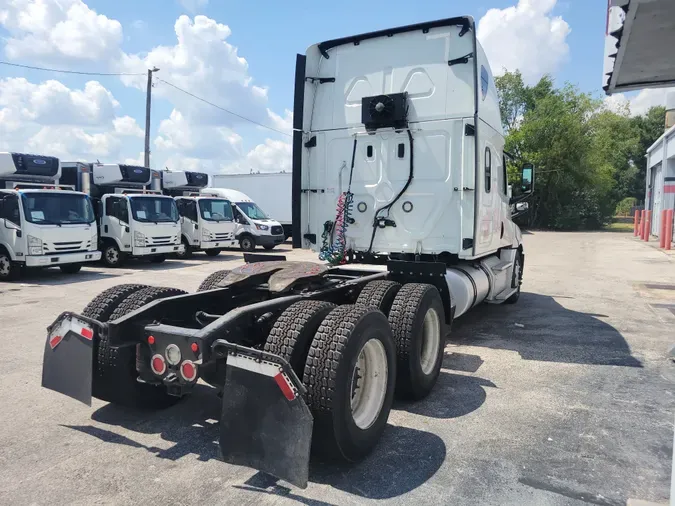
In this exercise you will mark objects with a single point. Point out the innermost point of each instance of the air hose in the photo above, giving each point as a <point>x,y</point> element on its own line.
<point>334,245</point>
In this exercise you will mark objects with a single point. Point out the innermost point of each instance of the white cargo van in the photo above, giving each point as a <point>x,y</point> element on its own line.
<point>252,226</point>
<point>42,224</point>
<point>272,189</point>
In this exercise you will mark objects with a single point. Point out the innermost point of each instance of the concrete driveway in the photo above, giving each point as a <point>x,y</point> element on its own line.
<point>564,398</point>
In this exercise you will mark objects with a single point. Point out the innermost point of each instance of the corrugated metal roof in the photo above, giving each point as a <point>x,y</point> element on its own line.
<point>640,45</point>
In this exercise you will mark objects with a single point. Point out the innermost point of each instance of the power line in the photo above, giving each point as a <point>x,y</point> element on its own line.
<point>62,71</point>
<point>223,109</point>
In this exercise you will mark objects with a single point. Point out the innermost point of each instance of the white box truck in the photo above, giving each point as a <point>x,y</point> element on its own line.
<point>271,191</point>
<point>252,226</point>
<point>207,223</point>
<point>399,133</point>
<point>42,223</point>
<point>135,219</point>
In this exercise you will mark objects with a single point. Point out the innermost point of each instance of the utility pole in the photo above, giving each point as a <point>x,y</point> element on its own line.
<point>148,100</point>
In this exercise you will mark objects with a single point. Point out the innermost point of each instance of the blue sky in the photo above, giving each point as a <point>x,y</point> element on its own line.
<point>563,37</point>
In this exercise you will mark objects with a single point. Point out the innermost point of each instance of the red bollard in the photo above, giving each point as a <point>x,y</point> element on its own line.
<point>669,228</point>
<point>648,225</point>
<point>662,228</point>
<point>642,224</point>
<point>636,223</point>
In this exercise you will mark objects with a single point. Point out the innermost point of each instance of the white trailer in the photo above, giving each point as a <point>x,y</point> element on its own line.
<point>207,223</point>
<point>271,191</point>
<point>42,223</point>
<point>135,219</point>
<point>399,185</point>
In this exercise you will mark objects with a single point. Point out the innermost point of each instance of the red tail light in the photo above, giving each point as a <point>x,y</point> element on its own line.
<point>194,347</point>
<point>158,365</point>
<point>188,370</point>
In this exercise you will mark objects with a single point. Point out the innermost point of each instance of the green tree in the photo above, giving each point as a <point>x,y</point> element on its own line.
<point>649,128</point>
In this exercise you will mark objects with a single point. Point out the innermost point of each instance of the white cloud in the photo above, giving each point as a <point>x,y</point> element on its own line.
<point>205,64</point>
<point>640,103</point>
<point>126,126</point>
<point>58,31</point>
<point>50,118</point>
<point>69,34</point>
<point>284,124</point>
<point>193,5</point>
<point>272,156</point>
<point>525,37</point>
<point>52,103</point>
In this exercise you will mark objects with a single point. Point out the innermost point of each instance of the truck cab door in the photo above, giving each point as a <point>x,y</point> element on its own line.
<point>191,222</point>
<point>115,221</point>
<point>10,223</point>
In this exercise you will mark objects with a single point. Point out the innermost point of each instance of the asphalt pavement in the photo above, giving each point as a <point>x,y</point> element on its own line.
<point>563,398</point>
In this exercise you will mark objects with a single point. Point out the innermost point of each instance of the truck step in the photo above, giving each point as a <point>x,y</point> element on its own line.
<point>502,266</point>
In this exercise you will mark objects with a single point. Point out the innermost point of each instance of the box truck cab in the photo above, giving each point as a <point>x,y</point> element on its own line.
<point>135,219</point>
<point>252,226</point>
<point>207,223</point>
<point>42,224</point>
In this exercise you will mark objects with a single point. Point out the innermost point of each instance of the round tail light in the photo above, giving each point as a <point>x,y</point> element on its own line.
<point>158,365</point>
<point>188,370</point>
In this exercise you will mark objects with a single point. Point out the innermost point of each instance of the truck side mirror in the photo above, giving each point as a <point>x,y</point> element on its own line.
<point>527,178</point>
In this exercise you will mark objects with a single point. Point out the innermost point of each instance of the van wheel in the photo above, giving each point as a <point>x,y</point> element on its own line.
<point>246,243</point>
<point>112,256</point>
<point>417,321</point>
<point>9,271</point>
<point>188,250</point>
<point>212,252</point>
<point>269,247</point>
<point>157,259</point>
<point>350,376</point>
<point>70,268</point>
<point>294,330</point>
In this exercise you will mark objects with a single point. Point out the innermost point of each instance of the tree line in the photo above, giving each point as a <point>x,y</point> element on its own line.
<point>590,160</point>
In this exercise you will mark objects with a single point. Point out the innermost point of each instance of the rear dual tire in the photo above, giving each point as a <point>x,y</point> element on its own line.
<point>115,375</point>
<point>346,358</point>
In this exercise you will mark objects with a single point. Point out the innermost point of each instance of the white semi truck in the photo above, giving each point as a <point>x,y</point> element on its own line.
<point>135,219</point>
<point>272,191</point>
<point>207,223</point>
<point>399,185</point>
<point>252,226</point>
<point>42,223</point>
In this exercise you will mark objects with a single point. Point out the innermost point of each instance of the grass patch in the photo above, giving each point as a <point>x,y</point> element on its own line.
<point>619,227</point>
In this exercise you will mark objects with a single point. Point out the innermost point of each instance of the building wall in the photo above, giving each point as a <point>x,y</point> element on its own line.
<point>660,184</point>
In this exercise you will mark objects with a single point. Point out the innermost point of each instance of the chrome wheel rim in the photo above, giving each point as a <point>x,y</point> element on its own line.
<point>5,266</point>
<point>112,255</point>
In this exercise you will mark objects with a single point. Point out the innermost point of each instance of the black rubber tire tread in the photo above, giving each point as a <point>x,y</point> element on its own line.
<point>406,328</point>
<point>212,252</point>
<point>379,294</point>
<point>320,377</point>
<point>115,375</point>
<point>103,305</point>
<point>157,259</point>
<point>270,247</point>
<point>187,253</point>
<point>241,243</point>
<point>514,298</point>
<point>211,281</point>
<point>292,333</point>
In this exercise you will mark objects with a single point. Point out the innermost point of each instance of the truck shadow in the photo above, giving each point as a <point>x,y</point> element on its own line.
<point>539,328</point>
<point>454,395</point>
<point>53,276</point>
<point>193,427</point>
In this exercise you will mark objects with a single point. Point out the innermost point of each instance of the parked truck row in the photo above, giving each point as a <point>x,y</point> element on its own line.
<point>65,215</point>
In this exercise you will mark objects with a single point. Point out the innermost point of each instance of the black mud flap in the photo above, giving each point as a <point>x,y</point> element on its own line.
<point>68,357</point>
<point>265,423</point>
